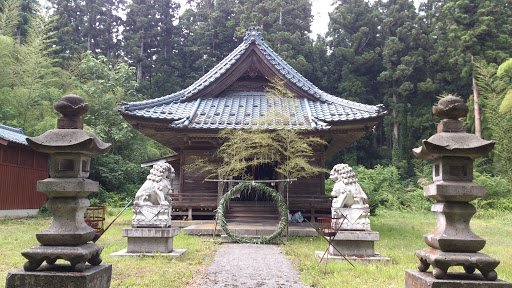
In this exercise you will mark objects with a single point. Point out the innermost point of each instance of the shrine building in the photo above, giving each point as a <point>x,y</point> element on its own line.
<point>233,96</point>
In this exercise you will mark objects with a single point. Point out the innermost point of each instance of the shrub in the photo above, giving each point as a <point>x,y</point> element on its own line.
<point>499,192</point>
<point>385,189</point>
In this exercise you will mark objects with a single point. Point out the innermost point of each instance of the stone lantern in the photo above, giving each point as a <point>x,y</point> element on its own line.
<point>68,236</point>
<point>452,242</point>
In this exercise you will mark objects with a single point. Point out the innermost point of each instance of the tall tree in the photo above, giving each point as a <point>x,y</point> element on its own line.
<point>400,58</point>
<point>285,25</point>
<point>475,30</point>
<point>208,35</point>
<point>28,10</point>
<point>86,25</point>
<point>151,40</point>
<point>66,26</point>
<point>141,29</point>
<point>167,65</point>
<point>9,16</point>
<point>355,59</point>
<point>493,87</point>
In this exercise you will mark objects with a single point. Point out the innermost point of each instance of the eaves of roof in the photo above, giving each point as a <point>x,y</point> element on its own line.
<point>12,134</point>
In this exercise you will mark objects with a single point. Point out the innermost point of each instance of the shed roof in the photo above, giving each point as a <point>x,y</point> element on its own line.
<point>12,134</point>
<point>192,108</point>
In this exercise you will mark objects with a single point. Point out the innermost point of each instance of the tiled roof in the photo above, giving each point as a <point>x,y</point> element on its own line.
<point>251,110</point>
<point>13,134</point>
<point>177,106</point>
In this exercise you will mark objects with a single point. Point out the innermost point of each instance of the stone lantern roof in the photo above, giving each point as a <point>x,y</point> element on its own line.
<point>69,137</point>
<point>451,140</point>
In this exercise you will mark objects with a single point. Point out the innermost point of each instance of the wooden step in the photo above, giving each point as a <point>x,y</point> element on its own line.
<point>252,212</point>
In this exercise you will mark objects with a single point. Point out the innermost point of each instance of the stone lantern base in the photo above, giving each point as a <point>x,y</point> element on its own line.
<point>77,256</point>
<point>441,261</point>
<point>417,279</point>
<point>61,276</point>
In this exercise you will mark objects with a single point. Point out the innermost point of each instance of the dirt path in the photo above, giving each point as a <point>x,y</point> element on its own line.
<point>249,265</point>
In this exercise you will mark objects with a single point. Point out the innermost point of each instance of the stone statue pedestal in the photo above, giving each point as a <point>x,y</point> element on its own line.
<point>155,216</point>
<point>355,218</point>
<point>357,246</point>
<point>150,241</point>
<point>354,243</point>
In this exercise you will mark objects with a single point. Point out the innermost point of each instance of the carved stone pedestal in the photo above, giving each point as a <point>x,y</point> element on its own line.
<point>355,218</point>
<point>441,261</point>
<point>61,276</point>
<point>77,256</point>
<point>157,216</point>
<point>150,240</point>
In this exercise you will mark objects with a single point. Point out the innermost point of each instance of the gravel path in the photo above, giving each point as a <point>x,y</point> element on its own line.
<point>249,265</point>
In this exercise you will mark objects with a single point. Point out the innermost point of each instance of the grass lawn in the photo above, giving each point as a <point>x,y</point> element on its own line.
<point>19,235</point>
<point>400,234</point>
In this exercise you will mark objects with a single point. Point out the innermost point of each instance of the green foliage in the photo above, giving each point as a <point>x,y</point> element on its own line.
<point>118,177</point>
<point>9,17</point>
<point>493,89</point>
<point>385,189</point>
<point>506,69</point>
<point>289,151</point>
<point>498,192</point>
<point>104,83</point>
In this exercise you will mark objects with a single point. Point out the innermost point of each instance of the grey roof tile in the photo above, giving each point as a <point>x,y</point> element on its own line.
<point>175,107</point>
<point>13,134</point>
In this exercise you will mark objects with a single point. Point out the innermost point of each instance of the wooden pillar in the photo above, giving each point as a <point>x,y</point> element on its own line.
<point>220,189</point>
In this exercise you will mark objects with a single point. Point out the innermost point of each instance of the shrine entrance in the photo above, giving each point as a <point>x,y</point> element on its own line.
<point>252,207</point>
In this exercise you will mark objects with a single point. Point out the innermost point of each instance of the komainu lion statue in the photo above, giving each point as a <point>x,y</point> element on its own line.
<point>347,191</point>
<point>157,188</point>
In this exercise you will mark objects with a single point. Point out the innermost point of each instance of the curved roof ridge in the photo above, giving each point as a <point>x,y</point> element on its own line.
<point>306,84</point>
<point>198,85</point>
<point>252,35</point>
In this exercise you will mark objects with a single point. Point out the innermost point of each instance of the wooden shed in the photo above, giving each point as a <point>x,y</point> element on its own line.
<point>20,169</point>
<point>233,96</point>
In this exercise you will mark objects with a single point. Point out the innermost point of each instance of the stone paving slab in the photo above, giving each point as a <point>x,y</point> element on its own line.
<point>249,265</point>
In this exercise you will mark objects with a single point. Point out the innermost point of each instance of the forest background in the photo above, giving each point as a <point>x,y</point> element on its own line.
<point>389,52</point>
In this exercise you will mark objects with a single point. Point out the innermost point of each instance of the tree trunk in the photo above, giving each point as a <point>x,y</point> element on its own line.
<point>139,65</point>
<point>396,124</point>
<point>476,97</point>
